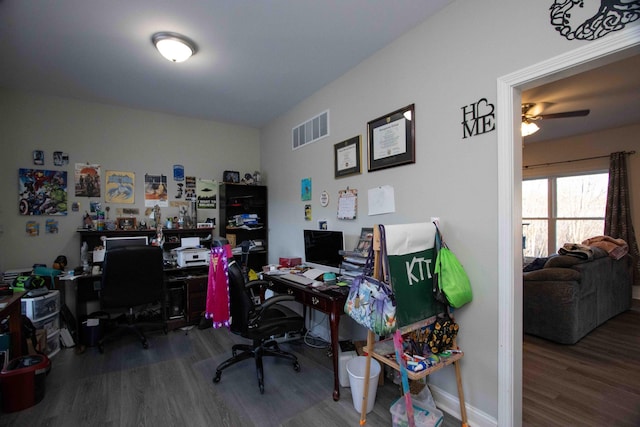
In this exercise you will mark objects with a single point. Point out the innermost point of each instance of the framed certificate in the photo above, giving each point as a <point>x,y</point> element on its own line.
<point>347,157</point>
<point>392,139</point>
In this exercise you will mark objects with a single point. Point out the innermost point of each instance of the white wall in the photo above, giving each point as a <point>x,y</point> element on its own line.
<point>117,139</point>
<point>450,61</point>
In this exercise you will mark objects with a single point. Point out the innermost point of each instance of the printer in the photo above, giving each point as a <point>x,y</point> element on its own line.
<point>192,257</point>
<point>190,254</point>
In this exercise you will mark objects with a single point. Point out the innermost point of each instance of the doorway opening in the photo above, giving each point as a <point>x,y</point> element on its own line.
<point>595,54</point>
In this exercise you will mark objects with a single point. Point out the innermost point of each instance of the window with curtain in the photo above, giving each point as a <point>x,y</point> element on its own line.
<point>562,209</point>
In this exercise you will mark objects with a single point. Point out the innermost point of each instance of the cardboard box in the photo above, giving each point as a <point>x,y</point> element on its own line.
<point>289,261</point>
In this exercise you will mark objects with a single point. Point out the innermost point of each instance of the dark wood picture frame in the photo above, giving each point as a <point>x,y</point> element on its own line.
<point>347,157</point>
<point>127,223</point>
<point>232,177</point>
<point>392,140</point>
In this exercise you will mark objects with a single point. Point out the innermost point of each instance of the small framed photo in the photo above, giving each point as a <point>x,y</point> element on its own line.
<point>126,223</point>
<point>347,157</point>
<point>232,177</point>
<point>392,139</point>
<point>38,157</point>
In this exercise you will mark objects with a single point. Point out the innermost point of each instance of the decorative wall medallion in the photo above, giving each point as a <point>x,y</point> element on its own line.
<point>591,19</point>
<point>324,199</point>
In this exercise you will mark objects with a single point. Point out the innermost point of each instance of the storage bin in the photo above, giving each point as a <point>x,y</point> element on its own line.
<point>423,416</point>
<point>22,382</point>
<point>49,324</point>
<point>43,306</point>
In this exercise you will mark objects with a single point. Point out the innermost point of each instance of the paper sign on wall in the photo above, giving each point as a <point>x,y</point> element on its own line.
<point>382,200</point>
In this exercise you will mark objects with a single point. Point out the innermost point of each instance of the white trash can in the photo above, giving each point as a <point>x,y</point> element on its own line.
<point>356,369</point>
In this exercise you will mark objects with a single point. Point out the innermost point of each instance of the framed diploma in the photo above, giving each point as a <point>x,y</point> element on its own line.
<point>347,157</point>
<point>392,139</point>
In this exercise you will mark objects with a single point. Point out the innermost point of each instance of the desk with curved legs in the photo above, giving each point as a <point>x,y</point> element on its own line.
<point>330,302</point>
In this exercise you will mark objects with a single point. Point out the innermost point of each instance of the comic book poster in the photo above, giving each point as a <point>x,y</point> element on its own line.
<point>190,188</point>
<point>42,192</point>
<point>87,180</point>
<point>119,187</point>
<point>155,191</point>
<point>51,226</point>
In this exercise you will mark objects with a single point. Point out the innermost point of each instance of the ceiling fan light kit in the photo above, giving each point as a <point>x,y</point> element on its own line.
<point>173,46</point>
<point>529,128</point>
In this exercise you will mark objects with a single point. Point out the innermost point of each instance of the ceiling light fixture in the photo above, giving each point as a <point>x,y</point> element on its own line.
<point>528,128</point>
<point>175,47</point>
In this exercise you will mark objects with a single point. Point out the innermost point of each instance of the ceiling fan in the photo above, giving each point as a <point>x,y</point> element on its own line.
<point>532,112</point>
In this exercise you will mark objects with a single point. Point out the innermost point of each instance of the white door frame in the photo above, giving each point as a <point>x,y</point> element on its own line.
<point>594,54</point>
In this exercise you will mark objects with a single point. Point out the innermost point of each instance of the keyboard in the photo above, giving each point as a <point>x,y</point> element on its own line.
<point>297,279</point>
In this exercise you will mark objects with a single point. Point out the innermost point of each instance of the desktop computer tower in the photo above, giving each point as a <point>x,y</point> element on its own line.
<point>175,302</point>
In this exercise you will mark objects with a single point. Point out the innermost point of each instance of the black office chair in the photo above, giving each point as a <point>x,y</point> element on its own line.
<point>258,322</point>
<point>132,276</point>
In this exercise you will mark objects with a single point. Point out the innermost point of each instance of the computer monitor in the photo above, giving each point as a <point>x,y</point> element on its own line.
<point>120,242</point>
<point>322,249</point>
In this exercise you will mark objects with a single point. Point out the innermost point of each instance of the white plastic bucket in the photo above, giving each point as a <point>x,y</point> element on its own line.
<point>356,370</point>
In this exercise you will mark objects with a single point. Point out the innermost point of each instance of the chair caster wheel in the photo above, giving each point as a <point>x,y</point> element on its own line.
<point>145,345</point>
<point>101,348</point>
<point>261,388</point>
<point>296,366</point>
<point>216,379</point>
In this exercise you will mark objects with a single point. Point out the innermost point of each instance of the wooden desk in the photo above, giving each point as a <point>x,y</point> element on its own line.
<point>189,282</point>
<point>13,311</point>
<point>330,302</point>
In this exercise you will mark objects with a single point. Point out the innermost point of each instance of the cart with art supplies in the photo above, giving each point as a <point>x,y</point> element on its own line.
<point>425,339</point>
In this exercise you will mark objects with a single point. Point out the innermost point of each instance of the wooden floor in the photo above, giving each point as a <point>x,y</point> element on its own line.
<point>170,384</point>
<point>595,382</point>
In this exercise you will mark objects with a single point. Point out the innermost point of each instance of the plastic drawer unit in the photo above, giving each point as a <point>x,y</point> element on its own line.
<point>53,343</point>
<point>43,306</point>
<point>49,324</point>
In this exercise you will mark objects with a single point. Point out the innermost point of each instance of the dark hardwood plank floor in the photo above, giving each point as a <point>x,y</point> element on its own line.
<point>595,382</point>
<point>170,384</point>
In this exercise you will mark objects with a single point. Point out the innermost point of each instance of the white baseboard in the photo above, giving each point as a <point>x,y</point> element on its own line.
<point>450,404</point>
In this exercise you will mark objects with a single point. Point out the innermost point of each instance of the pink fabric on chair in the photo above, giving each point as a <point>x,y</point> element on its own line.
<point>217,308</point>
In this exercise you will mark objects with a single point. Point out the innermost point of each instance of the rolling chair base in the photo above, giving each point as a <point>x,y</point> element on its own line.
<point>134,328</point>
<point>257,351</point>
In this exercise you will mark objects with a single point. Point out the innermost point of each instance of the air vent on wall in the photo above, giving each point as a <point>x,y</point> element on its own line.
<point>310,131</point>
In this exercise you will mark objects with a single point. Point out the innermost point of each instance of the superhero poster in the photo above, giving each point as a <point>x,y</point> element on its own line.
<point>42,192</point>
<point>87,180</point>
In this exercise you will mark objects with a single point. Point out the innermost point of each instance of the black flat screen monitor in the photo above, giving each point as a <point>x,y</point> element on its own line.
<point>120,242</point>
<point>322,249</point>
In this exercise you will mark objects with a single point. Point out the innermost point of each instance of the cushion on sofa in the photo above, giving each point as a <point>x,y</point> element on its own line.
<point>561,261</point>
<point>553,273</point>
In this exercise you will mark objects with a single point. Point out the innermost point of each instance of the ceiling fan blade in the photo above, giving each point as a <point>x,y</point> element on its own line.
<point>577,113</point>
<point>535,109</point>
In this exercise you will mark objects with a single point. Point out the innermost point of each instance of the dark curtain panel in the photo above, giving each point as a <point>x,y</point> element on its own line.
<point>617,221</point>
